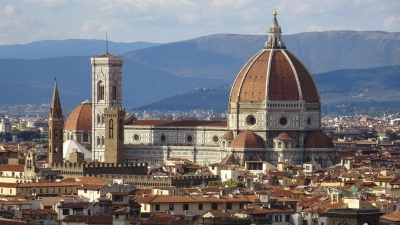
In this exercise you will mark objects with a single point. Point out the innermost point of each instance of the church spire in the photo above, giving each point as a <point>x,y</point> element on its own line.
<point>274,35</point>
<point>56,127</point>
<point>55,108</point>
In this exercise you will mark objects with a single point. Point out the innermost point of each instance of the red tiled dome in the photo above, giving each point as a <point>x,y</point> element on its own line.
<point>318,139</point>
<point>275,75</point>
<point>228,135</point>
<point>247,139</point>
<point>80,118</point>
<point>284,135</point>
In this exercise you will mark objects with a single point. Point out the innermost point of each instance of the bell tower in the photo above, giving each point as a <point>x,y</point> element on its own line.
<point>56,126</point>
<point>114,135</point>
<point>106,93</point>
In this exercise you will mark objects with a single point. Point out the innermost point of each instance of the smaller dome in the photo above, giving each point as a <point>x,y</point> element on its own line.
<point>80,118</point>
<point>318,139</point>
<point>284,136</point>
<point>247,139</point>
<point>228,135</point>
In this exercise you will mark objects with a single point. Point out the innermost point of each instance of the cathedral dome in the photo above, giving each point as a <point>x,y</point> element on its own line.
<point>318,139</point>
<point>274,74</point>
<point>80,118</point>
<point>247,139</point>
<point>284,136</point>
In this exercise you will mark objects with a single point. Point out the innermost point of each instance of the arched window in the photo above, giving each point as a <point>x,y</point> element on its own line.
<point>98,118</point>
<point>50,149</point>
<point>114,92</point>
<point>102,140</point>
<point>120,129</point>
<point>98,140</point>
<point>85,137</point>
<point>279,144</point>
<point>111,129</point>
<point>55,135</point>
<point>102,118</point>
<point>100,90</point>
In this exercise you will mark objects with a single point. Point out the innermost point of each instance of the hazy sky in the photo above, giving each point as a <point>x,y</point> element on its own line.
<point>24,21</point>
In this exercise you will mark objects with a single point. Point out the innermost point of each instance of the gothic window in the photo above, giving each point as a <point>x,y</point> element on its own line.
<point>102,118</point>
<point>98,118</point>
<point>55,150</point>
<point>55,135</point>
<point>100,90</point>
<point>102,140</point>
<point>85,137</point>
<point>68,136</point>
<point>50,149</point>
<point>114,92</point>
<point>98,140</point>
<point>120,129</point>
<point>279,144</point>
<point>111,129</point>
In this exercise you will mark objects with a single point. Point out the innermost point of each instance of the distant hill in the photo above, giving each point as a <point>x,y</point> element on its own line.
<point>72,47</point>
<point>223,55</point>
<point>161,71</point>
<point>354,89</point>
<point>32,81</point>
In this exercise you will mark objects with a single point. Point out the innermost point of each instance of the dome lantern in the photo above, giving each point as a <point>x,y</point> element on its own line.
<point>274,35</point>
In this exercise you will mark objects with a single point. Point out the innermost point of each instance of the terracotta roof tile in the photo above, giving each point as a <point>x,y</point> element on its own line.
<point>247,139</point>
<point>80,118</point>
<point>318,139</point>
<point>94,219</point>
<point>11,167</point>
<point>284,135</point>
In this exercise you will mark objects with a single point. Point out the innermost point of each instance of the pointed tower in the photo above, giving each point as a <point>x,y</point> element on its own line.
<point>106,93</point>
<point>56,126</point>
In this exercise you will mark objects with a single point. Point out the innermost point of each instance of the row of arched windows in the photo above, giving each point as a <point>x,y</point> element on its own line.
<point>100,119</point>
<point>100,141</point>
<point>101,91</point>
<point>85,137</point>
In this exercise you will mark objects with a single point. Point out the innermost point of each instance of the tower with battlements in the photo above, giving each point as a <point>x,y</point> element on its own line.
<point>114,135</point>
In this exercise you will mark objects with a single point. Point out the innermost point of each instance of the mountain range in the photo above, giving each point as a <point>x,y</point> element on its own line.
<point>152,71</point>
<point>341,90</point>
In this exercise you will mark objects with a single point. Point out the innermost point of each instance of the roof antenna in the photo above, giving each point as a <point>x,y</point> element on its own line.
<point>106,44</point>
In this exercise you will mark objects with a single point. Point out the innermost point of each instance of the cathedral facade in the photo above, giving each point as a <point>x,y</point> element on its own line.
<point>274,114</point>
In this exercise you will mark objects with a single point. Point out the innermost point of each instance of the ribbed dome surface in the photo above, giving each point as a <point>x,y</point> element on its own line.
<point>247,139</point>
<point>318,139</point>
<point>80,118</point>
<point>275,75</point>
<point>284,136</point>
<point>228,135</point>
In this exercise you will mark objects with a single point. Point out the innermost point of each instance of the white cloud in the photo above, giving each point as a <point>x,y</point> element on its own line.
<point>255,29</point>
<point>392,23</point>
<point>15,26</point>
<point>49,4</point>
<point>187,18</point>
<point>250,13</point>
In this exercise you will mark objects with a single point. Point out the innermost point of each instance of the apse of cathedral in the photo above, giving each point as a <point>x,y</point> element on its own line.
<point>274,115</point>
